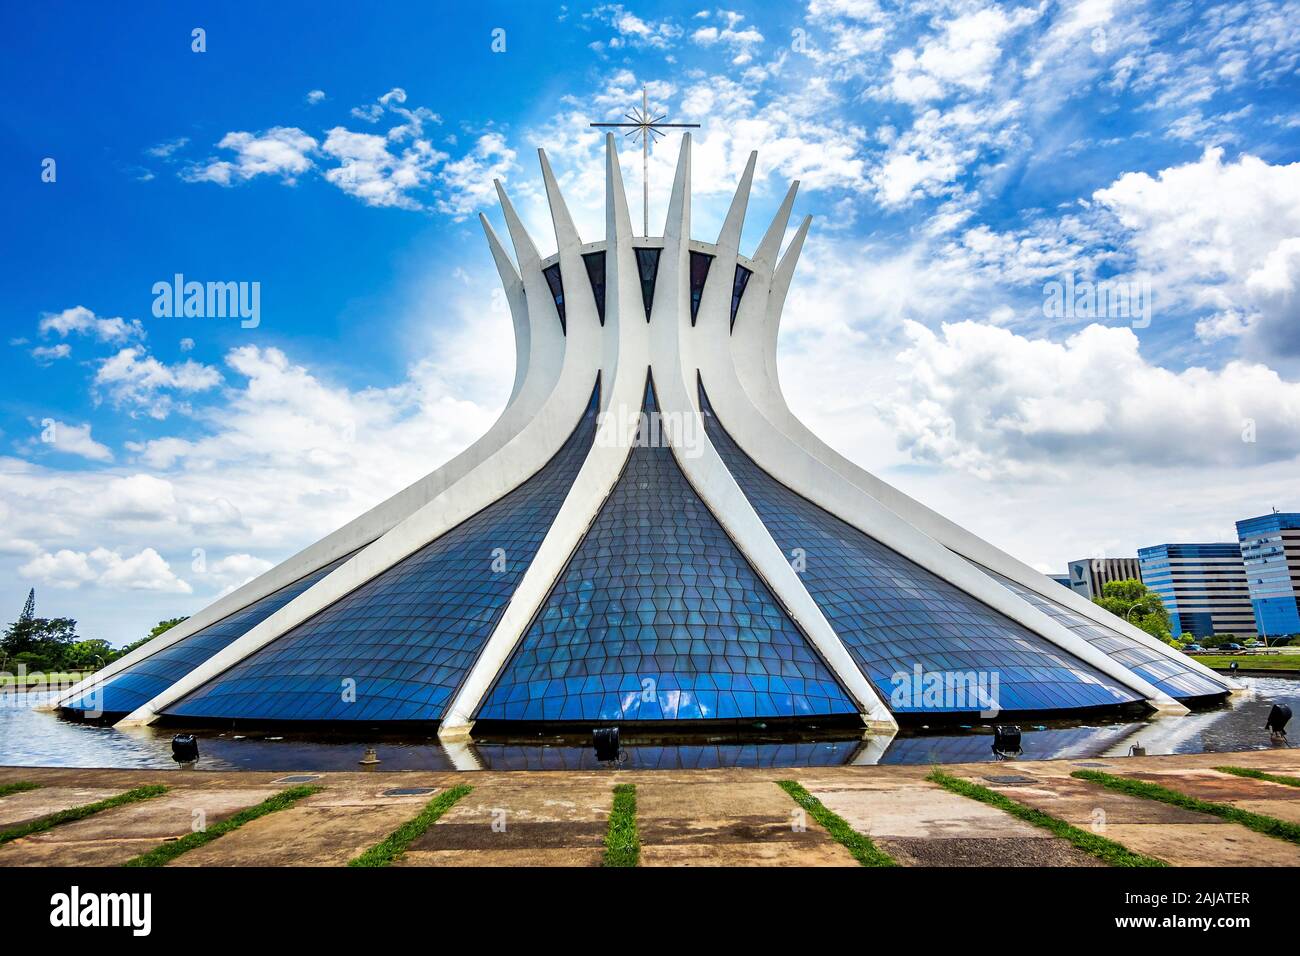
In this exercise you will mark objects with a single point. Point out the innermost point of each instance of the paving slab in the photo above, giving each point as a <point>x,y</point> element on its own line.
<point>112,837</point>
<point>33,804</point>
<point>551,822</point>
<point>326,829</point>
<point>1258,796</point>
<point>922,811</point>
<point>732,824</point>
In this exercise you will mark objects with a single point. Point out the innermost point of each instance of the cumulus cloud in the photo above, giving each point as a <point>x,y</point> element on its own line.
<point>633,31</point>
<point>988,401</point>
<point>75,440</point>
<point>45,354</point>
<point>961,56</point>
<point>282,151</point>
<point>369,171</point>
<point>314,96</point>
<point>80,320</point>
<point>134,380</point>
<point>145,570</point>
<point>466,183</point>
<point>741,40</point>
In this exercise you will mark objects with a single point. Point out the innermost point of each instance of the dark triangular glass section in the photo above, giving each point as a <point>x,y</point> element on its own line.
<point>700,262</point>
<point>647,264</point>
<point>894,616</point>
<point>595,263</point>
<point>398,647</point>
<point>556,283</point>
<point>134,686</point>
<point>658,616</point>
<point>738,289</point>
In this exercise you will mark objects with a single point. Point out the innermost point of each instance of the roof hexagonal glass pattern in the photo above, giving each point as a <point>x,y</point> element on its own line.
<point>894,616</point>
<point>1171,675</point>
<point>658,616</point>
<point>140,683</point>
<point>408,636</point>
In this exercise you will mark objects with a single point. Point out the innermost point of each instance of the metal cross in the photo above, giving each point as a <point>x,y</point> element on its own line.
<point>646,127</point>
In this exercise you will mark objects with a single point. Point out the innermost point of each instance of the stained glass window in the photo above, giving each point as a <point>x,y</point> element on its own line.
<point>595,263</point>
<point>647,264</point>
<point>553,279</point>
<point>700,262</point>
<point>738,289</point>
<point>658,616</point>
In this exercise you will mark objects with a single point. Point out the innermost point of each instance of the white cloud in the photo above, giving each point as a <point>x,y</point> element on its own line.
<point>632,30</point>
<point>67,569</point>
<point>135,380</point>
<point>76,440</point>
<point>467,182</point>
<point>741,40</point>
<point>82,321</point>
<point>280,151</point>
<point>165,150</point>
<point>315,96</point>
<point>987,401</point>
<point>961,56</point>
<point>373,174</point>
<point>47,354</point>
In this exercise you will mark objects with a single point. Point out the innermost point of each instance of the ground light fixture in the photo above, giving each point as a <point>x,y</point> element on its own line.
<point>605,740</point>
<point>1278,718</point>
<point>1006,741</point>
<point>185,749</point>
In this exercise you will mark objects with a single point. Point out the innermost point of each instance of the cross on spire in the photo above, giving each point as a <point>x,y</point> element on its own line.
<point>646,127</point>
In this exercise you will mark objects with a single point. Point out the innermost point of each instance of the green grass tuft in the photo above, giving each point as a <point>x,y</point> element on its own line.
<point>1108,851</point>
<point>164,853</point>
<point>1259,822</point>
<point>80,813</point>
<point>622,843</point>
<point>1261,775</point>
<point>863,850</point>
<point>17,787</point>
<point>396,843</point>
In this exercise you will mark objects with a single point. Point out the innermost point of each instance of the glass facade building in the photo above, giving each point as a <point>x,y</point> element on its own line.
<point>1270,551</point>
<point>1202,586</point>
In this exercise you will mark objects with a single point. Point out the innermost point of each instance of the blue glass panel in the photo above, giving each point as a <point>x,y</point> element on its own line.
<point>407,637</point>
<point>1168,672</point>
<point>143,681</point>
<point>659,617</point>
<point>556,283</point>
<point>894,616</point>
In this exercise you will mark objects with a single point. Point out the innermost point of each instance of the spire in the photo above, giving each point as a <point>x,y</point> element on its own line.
<point>566,233</point>
<point>765,257</point>
<point>729,237</point>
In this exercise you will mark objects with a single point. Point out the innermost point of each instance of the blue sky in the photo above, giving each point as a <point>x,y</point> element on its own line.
<point>956,157</point>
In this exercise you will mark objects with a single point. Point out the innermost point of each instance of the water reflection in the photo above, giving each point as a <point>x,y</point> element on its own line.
<point>36,738</point>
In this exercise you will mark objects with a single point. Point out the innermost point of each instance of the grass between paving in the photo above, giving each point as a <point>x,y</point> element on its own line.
<point>387,851</point>
<point>164,853</point>
<point>1108,851</point>
<point>622,842</point>
<point>17,787</point>
<point>1260,775</point>
<point>1259,822</point>
<point>863,850</point>
<point>80,813</point>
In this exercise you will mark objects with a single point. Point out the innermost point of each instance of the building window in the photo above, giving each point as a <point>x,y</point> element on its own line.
<point>738,289</point>
<point>595,263</point>
<point>647,264</point>
<point>553,280</point>
<point>700,262</point>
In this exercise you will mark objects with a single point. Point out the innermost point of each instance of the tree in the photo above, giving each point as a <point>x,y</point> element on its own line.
<point>29,608</point>
<point>90,654</point>
<point>161,627</point>
<point>1138,604</point>
<point>40,639</point>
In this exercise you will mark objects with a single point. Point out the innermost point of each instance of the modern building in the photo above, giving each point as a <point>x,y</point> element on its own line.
<point>1270,549</point>
<point>1062,579</point>
<point>647,535</point>
<point>1089,575</point>
<point>1203,587</point>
